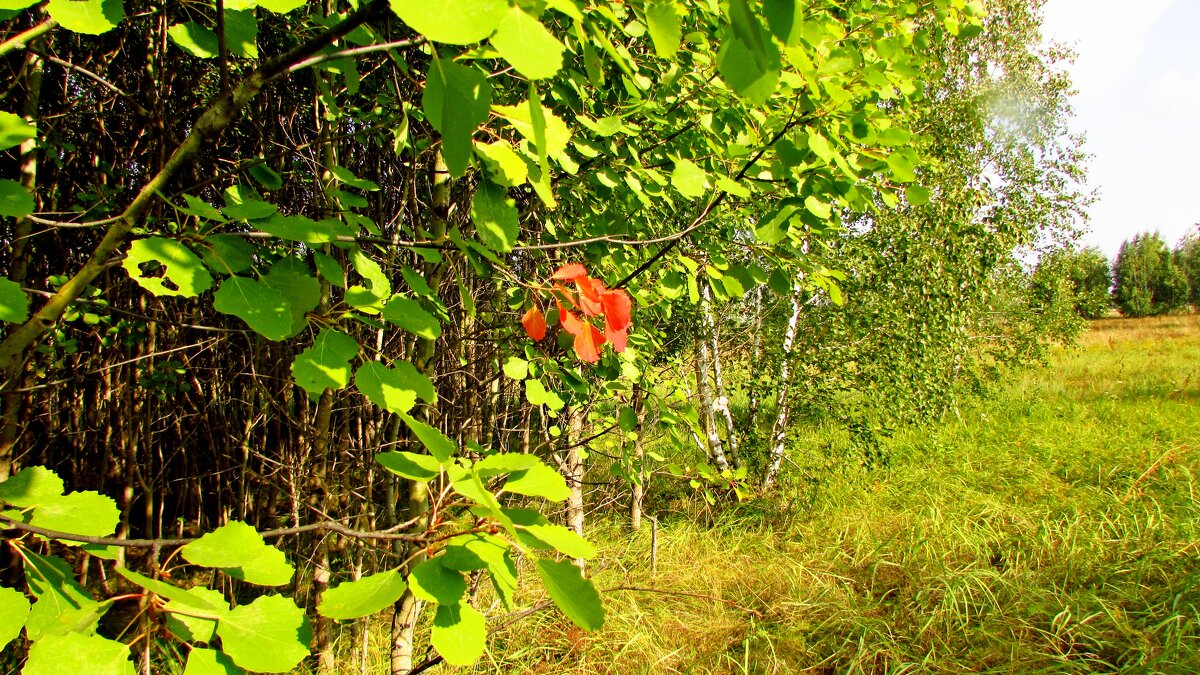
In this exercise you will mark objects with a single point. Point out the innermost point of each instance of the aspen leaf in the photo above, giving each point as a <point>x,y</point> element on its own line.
<point>364,597</point>
<point>14,130</point>
<point>574,595</point>
<point>587,343</point>
<point>15,201</point>
<point>459,633</point>
<point>535,324</point>
<point>269,635</point>
<point>570,272</point>
<point>453,22</point>
<point>183,272</point>
<point>617,308</point>
<point>78,653</point>
<point>525,43</point>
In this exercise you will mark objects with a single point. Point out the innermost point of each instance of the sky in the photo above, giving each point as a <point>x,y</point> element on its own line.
<point>1137,76</point>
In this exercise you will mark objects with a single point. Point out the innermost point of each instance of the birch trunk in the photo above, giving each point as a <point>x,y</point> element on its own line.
<point>716,450</point>
<point>720,399</point>
<point>779,431</point>
<point>573,472</point>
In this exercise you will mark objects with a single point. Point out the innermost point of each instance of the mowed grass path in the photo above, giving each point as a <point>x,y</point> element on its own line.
<point>1057,530</point>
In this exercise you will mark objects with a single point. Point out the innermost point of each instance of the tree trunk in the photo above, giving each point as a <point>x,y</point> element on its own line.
<point>18,271</point>
<point>779,431</point>
<point>716,450</point>
<point>639,457</point>
<point>407,610</point>
<point>573,472</point>
<point>720,399</point>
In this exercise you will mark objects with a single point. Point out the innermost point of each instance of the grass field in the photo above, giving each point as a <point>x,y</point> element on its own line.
<point>1055,530</point>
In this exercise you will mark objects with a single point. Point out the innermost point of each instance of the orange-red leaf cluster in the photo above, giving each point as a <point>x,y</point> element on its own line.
<point>590,299</point>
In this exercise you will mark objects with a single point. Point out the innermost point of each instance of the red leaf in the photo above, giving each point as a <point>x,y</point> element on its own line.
<point>569,321</point>
<point>587,343</point>
<point>617,307</point>
<point>589,295</point>
<point>535,324</point>
<point>570,271</point>
<point>616,337</point>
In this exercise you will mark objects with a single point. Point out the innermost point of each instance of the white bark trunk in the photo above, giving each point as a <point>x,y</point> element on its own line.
<point>779,431</point>
<point>716,449</point>
<point>720,400</point>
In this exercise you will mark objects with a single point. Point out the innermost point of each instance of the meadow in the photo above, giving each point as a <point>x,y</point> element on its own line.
<point>1053,530</point>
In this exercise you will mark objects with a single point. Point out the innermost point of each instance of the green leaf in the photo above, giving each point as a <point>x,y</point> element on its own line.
<point>456,101</point>
<point>495,217</point>
<point>434,582</point>
<point>574,595</point>
<point>409,315</point>
<point>88,513</point>
<point>557,537</point>
<point>227,253</point>
<point>479,551</point>
<point>194,39</point>
<point>14,130</point>
<point>386,387</point>
<point>750,70</point>
<point>201,209</point>
<point>434,441</point>
<point>266,176</point>
<point>202,661</point>
<point>75,653</point>
<point>916,195</point>
<point>14,304</point>
<point>62,605</point>
<point>31,486</point>
<point>14,607</point>
<point>263,308</point>
<point>238,550</point>
<point>902,162</point>
<point>821,147</point>
<point>364,597</point>
<point>459,634</point>
<point>539,481</point>
<point>180,595</point>
<point>326,364</point>
<point>662,20</point>
<point>410,465</point>
<point>504,165</point>
<point>556,133</point>
<point>183,623</point>
<point>454,22</point>
<point>182,272</point>
<point>525,43</point>
<point>378,282</point>
<point>346,176</point>
<point>307,230</point>
<point>15,201</point>
<point>493,465</point>
<point>515,368</point>
<point>689,179</point>
<point>296,283</point>
<point>269,635</point>
<point>241,34</point>
<point>281,6</point>
<point>92,17</point>
<point>785,19</point>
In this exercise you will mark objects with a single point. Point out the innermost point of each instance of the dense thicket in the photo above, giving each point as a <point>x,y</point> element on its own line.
<point>363,272</point>
<point>1148,280</point>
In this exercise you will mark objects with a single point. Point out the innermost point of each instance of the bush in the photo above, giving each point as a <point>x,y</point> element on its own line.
<point>1083,275</point>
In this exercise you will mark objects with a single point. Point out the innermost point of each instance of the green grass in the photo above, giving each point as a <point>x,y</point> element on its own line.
<point>1055,530</point>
